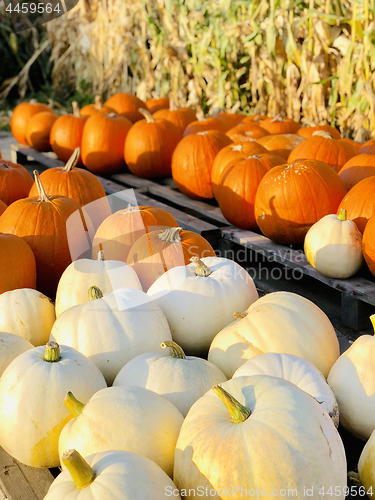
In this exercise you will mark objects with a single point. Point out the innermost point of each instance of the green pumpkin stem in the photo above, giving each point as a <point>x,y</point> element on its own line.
<point>42,195</point>
<point>355,477</point>
<point>82,474</point>
<point>177,351</point>
<point>95,293</point>
<point>73,160</point>
<point>202,269</point>
<point>239,412</point>
<point>74,406</point>
<point>52,352</point>
<point>342,215</point>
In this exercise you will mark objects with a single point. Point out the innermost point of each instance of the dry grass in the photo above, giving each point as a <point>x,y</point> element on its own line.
<point>312,58</point>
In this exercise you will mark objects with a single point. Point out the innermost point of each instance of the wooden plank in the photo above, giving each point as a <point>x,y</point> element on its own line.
<point>41,158</point>
<point>363,289</point>
<point>20,482</point>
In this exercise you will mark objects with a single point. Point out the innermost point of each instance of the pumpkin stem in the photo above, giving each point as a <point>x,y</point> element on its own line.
<point>177,351</point>
<point>131,208</point>
<point>238,411</point>
<point>172,235</point>
<point>172,105</point>
<point>76,111</point>
<point>308,122</point>
<point>95,293</point>
<point>4,165</point>
<point>237,147</point>
<point>242,315</point>
<point>147,115</point>
<point>100,256</point>
<point>372,319</point>
<point>205,132</point>
<point>42,195</point>
<point>98,102</point>
<point>33,101</point>
<point>277,118</point>
<point>82,474</point>
<point>253,157</point>
<point>52,352</point>
<point>355,477</point>
<point>74,406</point>
<point>202,269</point>
<point>257,118</point>
<point>342,215</point>
<point>73,160</point>
<point>322,133</point>
<point>111,115</point>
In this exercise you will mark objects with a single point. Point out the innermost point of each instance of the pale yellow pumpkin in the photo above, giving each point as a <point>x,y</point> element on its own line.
<point>280,322</point>
<point>11,346</point>
<point>366,466</point>
<point>333,246</point>
<point>279,439</point>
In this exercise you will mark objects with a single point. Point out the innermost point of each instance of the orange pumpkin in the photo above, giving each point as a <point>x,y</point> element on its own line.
<point>103,143</point>
<point>41,222</point>
<point>158,251</point>
<point>17,264</point>
<point>245,132</point>
<point>210,123</point>
<point>359,203</point>
<point>291,198</point>
<point>192,162</point>
<point>368,148</point>
<point>92,109</point>
<point>66,134</point>
<point>280,125</point>
<point>229,153</point>
<point>356,144</point>
<point>118,232</point>
<point>15,182</point>
<point>3,207</point>
<point>149,146</point>
<point>368,244</point>
<point>21,115</point>
<point>126,105</point>
<point>307,132</point>
<point>358,168</point>
<point>230,120</point>
<point>155,104</point>
<point>238,186</point>
<point>323,147</point>
<point>79,185</point>
<point>280,144</point>
<point>38,130</point>
<point>181,117</point>
<point>254,119</point>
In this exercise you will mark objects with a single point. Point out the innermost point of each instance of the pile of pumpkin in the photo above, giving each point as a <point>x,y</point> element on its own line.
<point>267,173</point>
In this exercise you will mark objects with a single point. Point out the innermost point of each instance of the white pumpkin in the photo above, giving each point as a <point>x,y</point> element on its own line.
<point>352,379</point>
<point>11,346</point>
<point>299,372</point>
<point>278,440</point>
<point>280,322</point>
<point>27,313</point>
<point>80,275</point>
<point>333,246</point>
<point>124,418</point>
<point>116,475</point>
<point>180,379</point>
<point>32,392</point>
<point>113,329</point>
<point>366,466</point>
<point>200,299</point>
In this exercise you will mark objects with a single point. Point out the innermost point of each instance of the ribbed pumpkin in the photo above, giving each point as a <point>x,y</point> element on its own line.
<point>280,144</point>
<point>358,168</point>
<point>359,203</point>
<point>356,144</point>
<point>38,130</point>
<point>280,125</point>
<point>307,132</point>
<point>79,185</point>
<point>126,105</point>
<point>210,123</point>
<point>103,143</point>
<point>149,146</point>
<point>3,207</point>
<point>230,120</point>
<point>323,147</point>
<point>246,132</point>
<point>155,253</point>
<point>92,109</point>
<point>181,117</point>
<point>66,133</point>
<point>17,264</point>
<point>238,186</point>
<point>291,198</point>
<point>15,182</point>
<point>41,222</point>
<point>192,162</point>
<point>21,115</point>
<point>229,153</point>
<point>155,104</point>
<point>368,244</point>
<point>116,235</point>
<point>368,148</point>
